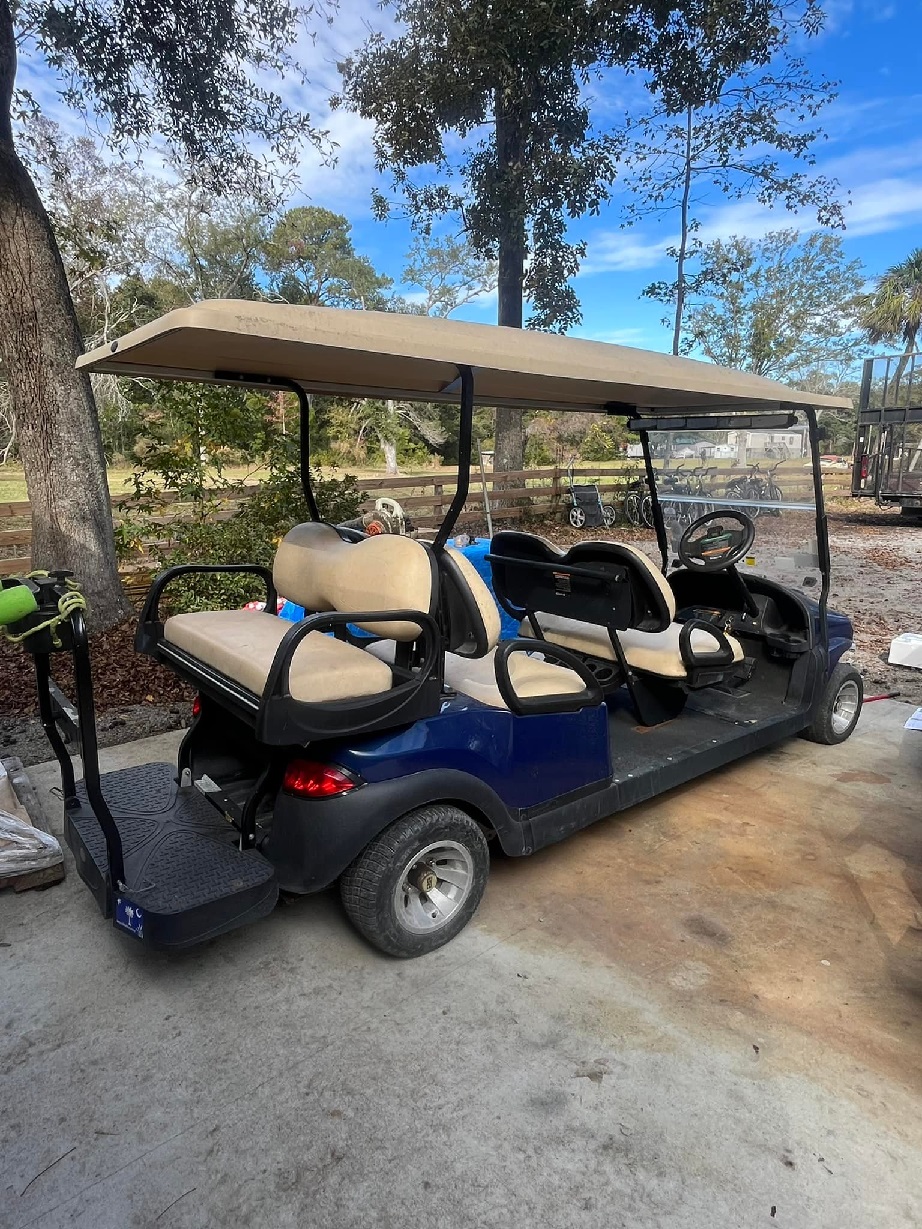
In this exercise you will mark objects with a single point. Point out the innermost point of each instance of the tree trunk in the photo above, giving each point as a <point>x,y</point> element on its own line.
<point>509,436</point>
<point>59,438</point>
<point>683,239</point>
<point>389,443</point>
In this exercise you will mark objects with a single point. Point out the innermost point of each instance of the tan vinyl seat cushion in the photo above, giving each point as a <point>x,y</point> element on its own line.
<point>653,652</point>
<point>317,569</point>
<point>243,643</point>
<point>476,677</point>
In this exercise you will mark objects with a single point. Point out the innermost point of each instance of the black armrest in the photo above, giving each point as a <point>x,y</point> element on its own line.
<point>524,706</point>
<point>697,661</point>
<point>277,681</point>
<point>150,625</point>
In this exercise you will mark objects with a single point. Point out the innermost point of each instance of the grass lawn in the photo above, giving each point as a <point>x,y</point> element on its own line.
<point>13,486</point>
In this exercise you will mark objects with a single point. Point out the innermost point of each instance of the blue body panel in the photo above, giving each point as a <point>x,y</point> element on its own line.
<point>839,626</point>
<point>527,761</point>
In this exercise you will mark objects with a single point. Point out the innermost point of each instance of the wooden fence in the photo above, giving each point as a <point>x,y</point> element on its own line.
<point>426,499</point>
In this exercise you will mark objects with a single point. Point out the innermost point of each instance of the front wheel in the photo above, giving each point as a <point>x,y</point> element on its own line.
<point>418,883</point>
<point>775,496</point>
<point>609,516</point>
<point>577,518</point>
<point>839,708</point>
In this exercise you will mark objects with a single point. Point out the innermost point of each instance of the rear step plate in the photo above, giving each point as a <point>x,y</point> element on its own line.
<point>187,880</point>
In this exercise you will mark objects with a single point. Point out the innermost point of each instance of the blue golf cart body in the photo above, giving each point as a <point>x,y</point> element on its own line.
<point>416,715</point>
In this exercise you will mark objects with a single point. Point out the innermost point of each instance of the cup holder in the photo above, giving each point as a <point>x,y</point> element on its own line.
<point>605,673</point>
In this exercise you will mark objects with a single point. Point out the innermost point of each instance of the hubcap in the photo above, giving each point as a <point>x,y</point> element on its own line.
<point>577,518</point>
<point>434,885</point>
<point>845,706</point>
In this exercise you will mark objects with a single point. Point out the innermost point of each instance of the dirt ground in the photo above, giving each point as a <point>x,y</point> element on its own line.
<point>876,559</point>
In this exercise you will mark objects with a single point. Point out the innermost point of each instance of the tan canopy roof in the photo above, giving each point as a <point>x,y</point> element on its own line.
<point>386,354</point>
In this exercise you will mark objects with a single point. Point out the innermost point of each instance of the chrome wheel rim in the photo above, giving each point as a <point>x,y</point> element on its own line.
<point>577,518</point>
<point>433,886</point>
<point>845,707</point>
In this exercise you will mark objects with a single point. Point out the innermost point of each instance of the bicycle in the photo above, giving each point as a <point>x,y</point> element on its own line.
<point>748,488</point>
<point>773,492</point>
<point>757,489</point>
<point>638,504</point>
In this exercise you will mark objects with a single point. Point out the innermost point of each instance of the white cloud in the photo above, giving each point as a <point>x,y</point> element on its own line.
<point>617,337</point>
<point>886,195</point>
<point>621,251</point>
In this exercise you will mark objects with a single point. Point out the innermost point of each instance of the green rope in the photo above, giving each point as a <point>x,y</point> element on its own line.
<point>70,601</point>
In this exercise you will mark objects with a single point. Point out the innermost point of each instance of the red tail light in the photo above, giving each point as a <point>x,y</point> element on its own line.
<point>308,779</point>
<point>864,466</point>
<point>196,707</point>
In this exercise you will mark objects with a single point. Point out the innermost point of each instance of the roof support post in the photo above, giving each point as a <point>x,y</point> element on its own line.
<point>657,508</point>
<point>822,526</point>
<point>304,416</point>
<point>465,435</point>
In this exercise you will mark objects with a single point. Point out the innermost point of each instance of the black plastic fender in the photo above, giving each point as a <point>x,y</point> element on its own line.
<point>313,841</point>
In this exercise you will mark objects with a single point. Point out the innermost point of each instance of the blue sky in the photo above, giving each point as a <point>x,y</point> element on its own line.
<point>873,146</point>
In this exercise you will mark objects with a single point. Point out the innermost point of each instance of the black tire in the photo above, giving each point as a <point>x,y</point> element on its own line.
<point>646,510</point>
<point>369,887</point>
<point>632,508</point>
<point>845,683</point>
<point>609,516</point>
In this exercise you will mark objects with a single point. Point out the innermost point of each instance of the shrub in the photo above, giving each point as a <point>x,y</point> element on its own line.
<point>201,531</point>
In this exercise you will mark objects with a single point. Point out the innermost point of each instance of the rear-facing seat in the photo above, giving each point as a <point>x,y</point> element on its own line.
<point>317,569</point>
<point>245,653</point>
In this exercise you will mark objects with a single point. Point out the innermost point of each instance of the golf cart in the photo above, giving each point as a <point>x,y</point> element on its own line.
<point>387,738</point>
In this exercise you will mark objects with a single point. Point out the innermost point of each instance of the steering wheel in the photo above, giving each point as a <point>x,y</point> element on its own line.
<point>714,543</point>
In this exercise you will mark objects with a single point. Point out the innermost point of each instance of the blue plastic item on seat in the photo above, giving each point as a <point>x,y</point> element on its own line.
<point>477,552</point>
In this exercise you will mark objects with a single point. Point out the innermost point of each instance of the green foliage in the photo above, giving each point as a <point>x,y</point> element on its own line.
<point>893,312</point>
<point>779,307</point>
<point>448,272</point>
<point>205,528</point>
<point>196,73</point>
<point>732,109</point>
<point>603,441</point>
<point>193,432</point>
<point>310,258</point>
<point>503,84</point>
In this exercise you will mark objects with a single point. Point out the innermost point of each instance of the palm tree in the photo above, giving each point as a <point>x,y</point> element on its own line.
<point>894,311</point>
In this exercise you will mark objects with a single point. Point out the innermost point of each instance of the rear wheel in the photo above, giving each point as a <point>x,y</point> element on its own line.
<point>419,883</point>
<point>839,708</point>
<point>577,518</point>
<point>632,513</point>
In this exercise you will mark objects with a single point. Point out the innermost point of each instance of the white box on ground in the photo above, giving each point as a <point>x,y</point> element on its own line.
<point>906,650</point>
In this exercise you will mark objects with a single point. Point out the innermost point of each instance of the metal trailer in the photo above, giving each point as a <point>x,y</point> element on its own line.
<point>887,464</point>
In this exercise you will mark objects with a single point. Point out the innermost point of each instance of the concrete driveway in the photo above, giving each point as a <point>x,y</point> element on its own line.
<point>703,1013</point>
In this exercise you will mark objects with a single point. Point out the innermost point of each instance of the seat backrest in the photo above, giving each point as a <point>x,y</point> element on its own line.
<point>317,569</point>
<point>470,615</point>
<point>610,584</point>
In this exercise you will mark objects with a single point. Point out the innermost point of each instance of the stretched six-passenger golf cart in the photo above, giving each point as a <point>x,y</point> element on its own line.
<point>386,739</point>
